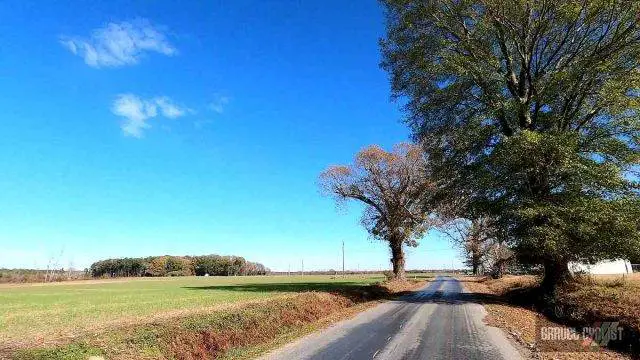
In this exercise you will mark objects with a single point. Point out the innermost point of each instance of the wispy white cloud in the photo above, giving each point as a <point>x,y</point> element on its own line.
<point>120,44</point>
<point>169,109</point>
<point>136,112</point>
<point>219,103</point>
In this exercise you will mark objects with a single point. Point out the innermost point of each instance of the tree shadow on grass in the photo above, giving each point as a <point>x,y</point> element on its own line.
<point>283,287</point>
<point>355,291</point>
<point>342,286</point>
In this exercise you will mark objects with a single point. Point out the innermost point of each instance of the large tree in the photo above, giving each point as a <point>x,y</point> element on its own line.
<point>529,113</point>
<point>392,186</point>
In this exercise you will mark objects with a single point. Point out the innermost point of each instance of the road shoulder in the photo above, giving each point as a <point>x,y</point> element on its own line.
<point>519,323</point>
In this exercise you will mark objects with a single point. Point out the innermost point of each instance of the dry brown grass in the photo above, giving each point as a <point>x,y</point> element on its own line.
<point>399,286</point>
<point>517,320</point>
<point>592,298</point>
<point>630,278</point>
<point>520,318</point>
<point>253,325</point>
<point>508,283</point>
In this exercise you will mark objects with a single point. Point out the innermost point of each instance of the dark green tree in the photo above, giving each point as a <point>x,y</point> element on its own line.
<point>529,113</point>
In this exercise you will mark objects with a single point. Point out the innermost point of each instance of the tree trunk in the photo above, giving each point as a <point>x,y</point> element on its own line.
<point>397,259</point>
<point>556,272</point>
<point>475,262</point>
<point>500,269</point>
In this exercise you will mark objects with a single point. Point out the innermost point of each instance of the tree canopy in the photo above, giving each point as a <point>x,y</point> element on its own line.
<point>529,113</point>
<point>392,186</point>
<point>177,266</point>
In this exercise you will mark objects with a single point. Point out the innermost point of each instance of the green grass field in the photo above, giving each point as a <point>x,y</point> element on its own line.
<point>46,312</point>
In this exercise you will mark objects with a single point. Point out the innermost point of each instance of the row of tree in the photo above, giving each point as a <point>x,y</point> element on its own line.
<point>526,120</point>
<point>214,265</point>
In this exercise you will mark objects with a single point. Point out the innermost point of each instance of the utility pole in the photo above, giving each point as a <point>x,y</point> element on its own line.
<point>302,267</point>
<point>343,274</point>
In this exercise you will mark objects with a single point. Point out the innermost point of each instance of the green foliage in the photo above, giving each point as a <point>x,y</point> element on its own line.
<point>73,351</point>
<point>584,212</point>
<point>120,267</point>
<point>529,113</point>
<point>226,265</point>
<point>147,340</point>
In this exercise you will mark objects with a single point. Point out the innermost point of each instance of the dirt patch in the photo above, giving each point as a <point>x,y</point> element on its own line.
<point>509,303</point>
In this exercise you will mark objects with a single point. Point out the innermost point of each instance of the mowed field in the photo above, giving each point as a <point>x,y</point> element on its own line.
<point>42,313</point>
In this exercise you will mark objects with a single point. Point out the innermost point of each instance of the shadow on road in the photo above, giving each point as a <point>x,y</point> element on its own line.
<point>440,297</point>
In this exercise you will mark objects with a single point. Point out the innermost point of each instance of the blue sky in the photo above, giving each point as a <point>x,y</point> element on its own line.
<point>147,128</point>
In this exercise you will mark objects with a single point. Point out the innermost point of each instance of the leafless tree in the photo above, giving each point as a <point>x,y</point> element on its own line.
<point>481,244</point>
<point>497,257</point>
<point>474,237</point>
<point>394,187</point>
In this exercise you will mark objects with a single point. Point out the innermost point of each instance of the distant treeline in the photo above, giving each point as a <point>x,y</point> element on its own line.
<point>177,266</point>
<point>366,272</point>
<point>34,275</point>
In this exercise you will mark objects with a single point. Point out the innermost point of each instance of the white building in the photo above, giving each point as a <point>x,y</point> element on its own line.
<point>609,267</point>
